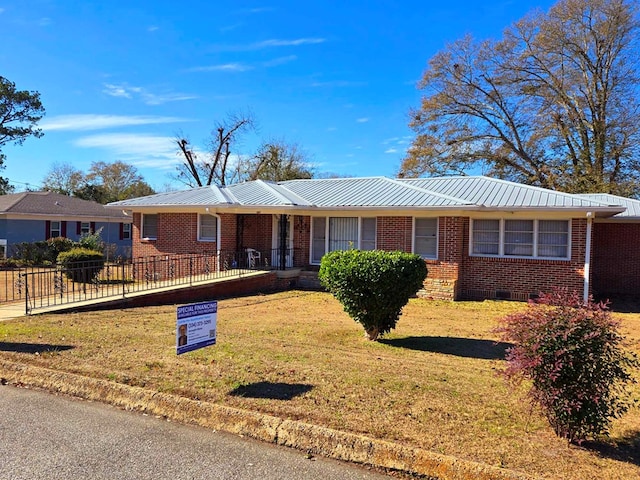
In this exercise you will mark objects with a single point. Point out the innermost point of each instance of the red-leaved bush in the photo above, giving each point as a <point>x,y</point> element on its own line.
<point>573,355</point>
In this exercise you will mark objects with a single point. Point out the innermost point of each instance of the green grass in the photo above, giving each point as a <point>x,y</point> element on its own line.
<point>432,383</point>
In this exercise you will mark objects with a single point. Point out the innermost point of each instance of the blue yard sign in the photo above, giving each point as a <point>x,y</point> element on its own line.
<point>196,326</point>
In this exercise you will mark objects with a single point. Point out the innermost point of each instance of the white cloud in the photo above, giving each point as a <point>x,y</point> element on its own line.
<point>362,120</point>
<point>391,150</point>
<point>126,91</point>
<point>271,43</point>
<point>224,67</point>
<point>98,122</point>
<point>45,22</point>
<point>153,28</point>
<point>140,150</point>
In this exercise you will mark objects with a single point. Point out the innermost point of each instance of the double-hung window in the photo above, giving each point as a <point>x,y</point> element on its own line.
<point>207,228</point>
<point>126,231</point>
<point>55,230</point>
<point>521,238</point>
<point>85,228</point>
<point>425,237</point>
<point>149,226</point>
<point>341,233</point>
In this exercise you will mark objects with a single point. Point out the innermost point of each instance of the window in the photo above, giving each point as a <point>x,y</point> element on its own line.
<point>553,238</point>
<point>368,233</point>
<point>85,228</point>
<point>341,233</point>
<point>425,240</point>
<point>207,228</point>
<point>521,238</point>
<point>518,238</point>
<point>486,237</point>
<point>55,230</point>
<point>149,227</point>
<point>126,231</point>
<point>3,248</point>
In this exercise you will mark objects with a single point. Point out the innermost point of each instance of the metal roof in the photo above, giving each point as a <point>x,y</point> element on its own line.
<point>632,206</point>
<point>495,193</point>
<point>462,193</point>
<point>367,192</point>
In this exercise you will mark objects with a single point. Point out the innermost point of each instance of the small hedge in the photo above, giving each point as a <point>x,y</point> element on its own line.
<point>81,264</point>
<point>373,286</point>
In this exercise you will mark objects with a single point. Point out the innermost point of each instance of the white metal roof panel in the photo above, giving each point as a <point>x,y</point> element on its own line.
<point>632,206</point>
<point>367,192</point>
<point>491,192</point>
<point>200,196</point>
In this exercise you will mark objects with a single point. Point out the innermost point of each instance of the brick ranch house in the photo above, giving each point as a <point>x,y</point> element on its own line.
<point>480,237</point>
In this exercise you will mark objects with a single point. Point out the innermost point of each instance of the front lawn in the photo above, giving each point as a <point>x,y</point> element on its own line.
<point>431,383</point>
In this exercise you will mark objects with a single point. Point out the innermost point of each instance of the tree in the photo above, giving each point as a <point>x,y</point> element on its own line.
<point>553,103</point>
<point>277,161</point>
<point>196,171</point>
<point>116,181</point>
<point>373,285</point>
<point>20,111</point>
<point>63,178</point>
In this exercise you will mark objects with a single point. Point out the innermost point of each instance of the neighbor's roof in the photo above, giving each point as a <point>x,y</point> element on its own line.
<point>54,205</point>
<point>632,206</point>
<point>469,193</point>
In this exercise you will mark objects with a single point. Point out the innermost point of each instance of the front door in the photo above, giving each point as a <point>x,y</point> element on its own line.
<point>282,244</point>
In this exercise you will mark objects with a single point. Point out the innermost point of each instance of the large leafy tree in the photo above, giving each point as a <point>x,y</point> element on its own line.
<point>553,103</point>
<point>20,111</point>
<point>216,165</point>
<point>63,178</point>
<point>277,160</point>
<point>104,183</point>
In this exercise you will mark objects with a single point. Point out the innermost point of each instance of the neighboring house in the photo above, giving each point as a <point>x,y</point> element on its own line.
<point>480,237</point>
<point>36,216</point>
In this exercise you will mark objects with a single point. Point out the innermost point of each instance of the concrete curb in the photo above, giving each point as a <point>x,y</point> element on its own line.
<point>299,435</point>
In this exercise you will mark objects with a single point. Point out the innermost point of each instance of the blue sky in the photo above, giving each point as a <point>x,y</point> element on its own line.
<point>120,79</point>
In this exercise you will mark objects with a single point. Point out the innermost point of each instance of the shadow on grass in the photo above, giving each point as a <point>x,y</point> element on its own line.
<point>625,449</point>
<point>32,347</point>
<point>460,347</point>
<point>273,391</point>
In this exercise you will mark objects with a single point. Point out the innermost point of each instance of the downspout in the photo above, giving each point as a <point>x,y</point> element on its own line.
<point>587,258</point>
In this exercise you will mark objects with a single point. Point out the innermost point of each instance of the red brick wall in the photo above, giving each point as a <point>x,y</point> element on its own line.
<point>483,277</point>
<point>454,274</point>
<point>616,259</point>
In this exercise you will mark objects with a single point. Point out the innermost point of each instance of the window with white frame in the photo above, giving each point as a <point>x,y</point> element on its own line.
<point>149,226</point>
<point>126,231</point>
<point>341,233</point>
<point>368,233</point>
<point>85,228</point>
<point>425,238</point>
<point>207,228</point>
<point>521,238</point>
<point>55,229</point>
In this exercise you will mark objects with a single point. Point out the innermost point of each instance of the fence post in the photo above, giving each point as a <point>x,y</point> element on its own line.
<point>124,288</point>
<point>26,294</point>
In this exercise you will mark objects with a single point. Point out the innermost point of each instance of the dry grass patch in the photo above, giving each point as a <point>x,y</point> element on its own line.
<point>431,383</point>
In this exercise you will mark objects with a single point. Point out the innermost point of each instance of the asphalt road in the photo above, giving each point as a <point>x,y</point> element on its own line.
<point>45,436</point>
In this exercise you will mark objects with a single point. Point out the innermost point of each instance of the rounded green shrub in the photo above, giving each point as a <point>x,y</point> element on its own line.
<point>373,285</point>
<point>81,264</point>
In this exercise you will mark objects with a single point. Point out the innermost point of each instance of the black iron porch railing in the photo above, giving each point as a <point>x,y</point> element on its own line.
<point>84,281</point>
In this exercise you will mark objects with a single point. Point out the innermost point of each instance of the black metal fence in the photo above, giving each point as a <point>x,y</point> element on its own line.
<point>42,287</point>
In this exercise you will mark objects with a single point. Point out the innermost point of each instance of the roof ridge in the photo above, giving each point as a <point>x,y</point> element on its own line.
<point>274,191</point>
<point>430,192</point>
